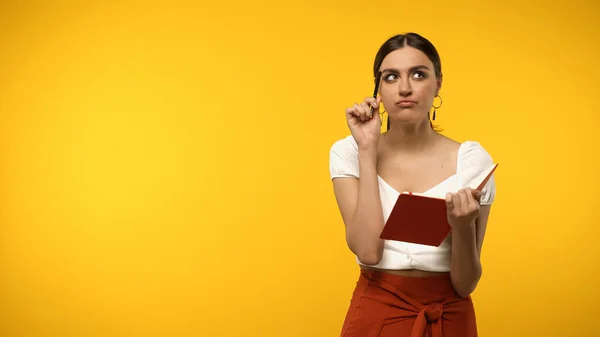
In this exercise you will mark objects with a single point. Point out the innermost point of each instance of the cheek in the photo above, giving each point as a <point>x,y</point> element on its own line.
<point>386,89</point>
<point>425,88</point>
<point>426,93</point>
<point>388,93</point>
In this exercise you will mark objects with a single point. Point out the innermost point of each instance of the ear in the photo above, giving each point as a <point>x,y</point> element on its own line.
<point>439,85</point>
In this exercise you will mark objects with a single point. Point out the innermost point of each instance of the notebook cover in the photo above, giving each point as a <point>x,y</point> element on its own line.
<point>417,219</point>
<point>421,219</point>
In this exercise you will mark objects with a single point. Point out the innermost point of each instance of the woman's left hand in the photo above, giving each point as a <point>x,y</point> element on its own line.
<point>462,208</point>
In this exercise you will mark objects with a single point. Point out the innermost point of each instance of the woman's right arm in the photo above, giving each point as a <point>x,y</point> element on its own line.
<point>358,197</point>
<point>360,206</point>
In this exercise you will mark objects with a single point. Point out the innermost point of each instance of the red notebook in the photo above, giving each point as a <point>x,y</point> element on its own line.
<point>420,219</point>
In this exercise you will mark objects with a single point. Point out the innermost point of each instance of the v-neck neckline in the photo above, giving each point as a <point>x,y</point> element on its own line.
<point>418,193</point>
<point>458,156</point>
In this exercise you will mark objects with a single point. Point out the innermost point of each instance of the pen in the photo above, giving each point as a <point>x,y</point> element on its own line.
<point>377,80</point>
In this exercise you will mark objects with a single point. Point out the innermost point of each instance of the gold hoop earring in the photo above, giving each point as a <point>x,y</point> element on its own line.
<point>436,107</point>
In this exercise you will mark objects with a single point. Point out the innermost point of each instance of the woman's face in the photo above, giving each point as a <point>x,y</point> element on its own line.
<point>408,85</point>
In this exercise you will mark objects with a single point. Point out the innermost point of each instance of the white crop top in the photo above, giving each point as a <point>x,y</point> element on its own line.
<point>472,159</point>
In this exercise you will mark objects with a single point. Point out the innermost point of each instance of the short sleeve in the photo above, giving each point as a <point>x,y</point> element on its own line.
<point>343,158</point>
<point>473,162</point>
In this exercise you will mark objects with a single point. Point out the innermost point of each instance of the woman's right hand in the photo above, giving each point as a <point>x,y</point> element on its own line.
<point>364,126</point>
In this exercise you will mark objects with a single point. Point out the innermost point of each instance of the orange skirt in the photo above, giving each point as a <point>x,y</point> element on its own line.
<point>386,305</point>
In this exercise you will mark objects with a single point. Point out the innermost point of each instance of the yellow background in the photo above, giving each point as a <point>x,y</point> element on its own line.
<point>164,165</point>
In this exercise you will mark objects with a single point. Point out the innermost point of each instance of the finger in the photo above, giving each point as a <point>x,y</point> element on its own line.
<point>476,195</point>
<point>449,203</point>
<point>464,200</point>
<point>456,201</point>
<point>473,201</point>
<point>356,111</point>
<point>362,112</point>
<point>376,107</point>
<point>352,114</point>
<point>373,104</point>
<point>377,117</point>
<point>370,100</point>
<point>367,108</point>
<point>470,195</point>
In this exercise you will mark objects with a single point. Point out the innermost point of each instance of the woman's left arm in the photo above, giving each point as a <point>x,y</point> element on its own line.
<point>468,220</point>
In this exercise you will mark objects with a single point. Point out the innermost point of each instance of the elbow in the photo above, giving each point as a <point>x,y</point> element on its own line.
<point>465,287</point>
<point>463,293</point>
<point>368,252</point>
<point>370,258</point>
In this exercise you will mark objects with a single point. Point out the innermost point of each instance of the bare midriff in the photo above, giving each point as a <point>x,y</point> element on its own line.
<point>406,272</point>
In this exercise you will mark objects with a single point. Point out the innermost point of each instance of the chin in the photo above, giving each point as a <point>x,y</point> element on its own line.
<point>406,116</point>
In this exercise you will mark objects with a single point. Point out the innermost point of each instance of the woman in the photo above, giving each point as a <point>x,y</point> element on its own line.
<point>407,289</point>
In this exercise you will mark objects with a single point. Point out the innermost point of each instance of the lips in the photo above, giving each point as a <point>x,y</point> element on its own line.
<point>406,103</point>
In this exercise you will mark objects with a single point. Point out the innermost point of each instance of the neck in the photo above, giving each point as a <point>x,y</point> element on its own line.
<point>410,137</point>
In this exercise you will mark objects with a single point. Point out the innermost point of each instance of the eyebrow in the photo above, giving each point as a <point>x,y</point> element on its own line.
<point>411,69</point>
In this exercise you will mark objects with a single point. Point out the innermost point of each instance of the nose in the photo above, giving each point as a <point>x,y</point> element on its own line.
<point>404,88</point>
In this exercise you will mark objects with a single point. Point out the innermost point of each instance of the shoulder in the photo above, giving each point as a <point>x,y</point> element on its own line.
<point>472,152</point>
<point>343,158</point>
<point>345,145</point>
<point>473,162</point>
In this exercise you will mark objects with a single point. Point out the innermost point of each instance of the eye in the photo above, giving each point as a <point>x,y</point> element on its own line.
<point>419,75</point>
<point>390,77</point>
